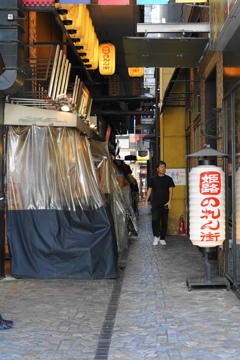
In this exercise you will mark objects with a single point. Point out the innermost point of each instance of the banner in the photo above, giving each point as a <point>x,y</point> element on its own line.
<point>38,4</point>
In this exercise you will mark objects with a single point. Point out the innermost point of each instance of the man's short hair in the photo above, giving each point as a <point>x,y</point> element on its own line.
<point>161,163</point>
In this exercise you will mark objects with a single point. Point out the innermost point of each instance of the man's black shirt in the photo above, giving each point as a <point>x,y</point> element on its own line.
<point>160,188</point>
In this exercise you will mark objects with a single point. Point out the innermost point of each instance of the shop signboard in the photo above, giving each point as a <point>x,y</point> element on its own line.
<point>136,86</point>
<point>26,115</point>
<point>114,85</point>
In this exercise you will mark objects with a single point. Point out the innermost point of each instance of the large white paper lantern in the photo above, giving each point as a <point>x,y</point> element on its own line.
<point>207,206</point>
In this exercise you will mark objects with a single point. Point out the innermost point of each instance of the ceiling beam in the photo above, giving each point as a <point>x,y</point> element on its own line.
<point>124,99</point>
<point>121,113</point>
<point>173,28</point>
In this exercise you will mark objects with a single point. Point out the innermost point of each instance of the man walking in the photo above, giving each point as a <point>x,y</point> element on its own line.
<point>161,187</point>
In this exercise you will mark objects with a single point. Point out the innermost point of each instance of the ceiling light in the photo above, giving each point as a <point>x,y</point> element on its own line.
<point>65,107</point>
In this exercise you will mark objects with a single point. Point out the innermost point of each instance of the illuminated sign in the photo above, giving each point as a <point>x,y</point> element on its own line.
<point>207,206</point>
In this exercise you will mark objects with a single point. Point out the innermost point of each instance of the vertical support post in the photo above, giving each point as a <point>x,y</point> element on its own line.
<point>234,244</point>
<point>207,265</point>
<point>156,157</point>
<point>2,197</point>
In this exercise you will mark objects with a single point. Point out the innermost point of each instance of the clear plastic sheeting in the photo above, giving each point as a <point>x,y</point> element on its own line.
<point>50,168</point>
<point>58,225</point>
<point>131,217</point>
<point>120,207</point>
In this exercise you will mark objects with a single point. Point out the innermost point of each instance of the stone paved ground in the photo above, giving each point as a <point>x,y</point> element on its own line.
<point>157,317</point>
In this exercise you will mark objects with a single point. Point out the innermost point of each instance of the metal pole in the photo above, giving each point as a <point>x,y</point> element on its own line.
<point>226,242</point>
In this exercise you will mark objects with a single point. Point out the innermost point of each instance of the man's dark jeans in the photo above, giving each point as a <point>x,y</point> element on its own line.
<point>159,220</point>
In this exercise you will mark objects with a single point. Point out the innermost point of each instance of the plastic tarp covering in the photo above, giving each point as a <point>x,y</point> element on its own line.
<point>58,225</point>
<point>120,207</point>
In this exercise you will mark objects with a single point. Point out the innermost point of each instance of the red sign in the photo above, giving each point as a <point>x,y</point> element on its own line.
<point>210,183</point>
<point>38,4</point>
<point>108,133</point>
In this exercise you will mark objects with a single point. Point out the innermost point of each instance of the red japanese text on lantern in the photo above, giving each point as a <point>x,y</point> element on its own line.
<point>210,183</point>
<point>207,206</point>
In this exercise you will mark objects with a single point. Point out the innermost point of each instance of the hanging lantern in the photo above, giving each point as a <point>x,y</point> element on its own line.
<point>78,23</point>
<point>207,206</point>
<point>92,64</point>
<point>107,58</point>
<point>135,71</point>
<point>88,42</point>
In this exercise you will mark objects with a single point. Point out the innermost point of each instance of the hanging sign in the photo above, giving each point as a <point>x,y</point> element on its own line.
<point>114,85</point>
<point>136,86</point>
<point>207,206</point>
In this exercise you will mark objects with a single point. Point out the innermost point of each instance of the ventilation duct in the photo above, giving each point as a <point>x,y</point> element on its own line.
<point>11,47</point>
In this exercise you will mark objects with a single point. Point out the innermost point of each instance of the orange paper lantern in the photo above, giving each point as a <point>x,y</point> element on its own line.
<point>135,71</point>
<point>107,59</point>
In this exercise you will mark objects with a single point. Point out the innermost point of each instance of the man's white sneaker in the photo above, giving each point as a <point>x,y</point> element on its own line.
<point>155,240</point>
<point>163,242</point>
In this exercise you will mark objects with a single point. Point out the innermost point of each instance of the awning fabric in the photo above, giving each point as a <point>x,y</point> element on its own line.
<point>57,222</point>
<point>164,52</point>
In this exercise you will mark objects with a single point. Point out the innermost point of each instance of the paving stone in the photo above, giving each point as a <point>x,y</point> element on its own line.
<point>157,317</point>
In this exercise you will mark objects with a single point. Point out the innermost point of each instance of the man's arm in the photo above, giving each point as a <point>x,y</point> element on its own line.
<point>170,198</point>
<point>147,197</point>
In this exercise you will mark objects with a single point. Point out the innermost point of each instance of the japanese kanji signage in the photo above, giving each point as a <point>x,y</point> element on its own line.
<point>107,59</point>
<point>114,85</point>
<point>207,206</point>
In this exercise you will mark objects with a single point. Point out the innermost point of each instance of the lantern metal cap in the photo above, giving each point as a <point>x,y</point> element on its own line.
<point>207,151</point>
